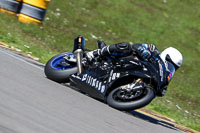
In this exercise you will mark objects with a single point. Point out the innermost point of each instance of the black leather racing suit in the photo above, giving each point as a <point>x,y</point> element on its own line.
<point>125,49</point>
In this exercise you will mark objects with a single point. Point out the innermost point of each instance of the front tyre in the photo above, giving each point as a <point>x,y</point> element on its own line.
<point>57,69</point>
<point>141,99</point>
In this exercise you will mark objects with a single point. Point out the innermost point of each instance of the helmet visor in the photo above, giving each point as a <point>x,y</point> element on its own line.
<point>171,70</point>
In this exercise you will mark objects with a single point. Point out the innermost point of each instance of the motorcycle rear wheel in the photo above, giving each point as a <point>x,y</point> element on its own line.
<point>55,71</point>
<point>146,97</point>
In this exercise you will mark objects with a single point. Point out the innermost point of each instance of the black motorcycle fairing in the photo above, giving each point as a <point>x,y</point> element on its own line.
<point>160,73</point>
<point>86,87</point>
<point>91,81</point>
<point>98,80</point>
<point>128,75</point>
<point>155,71</point>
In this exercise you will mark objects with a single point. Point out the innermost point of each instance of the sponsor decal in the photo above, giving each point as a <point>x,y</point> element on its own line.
<point>113,76</point>
<point>93,82</point>
<point>133,62</point>
<point>161,72</point>
<point>76,76</point>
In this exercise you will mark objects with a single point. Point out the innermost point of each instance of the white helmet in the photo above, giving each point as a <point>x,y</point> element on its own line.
<point>172,55</point>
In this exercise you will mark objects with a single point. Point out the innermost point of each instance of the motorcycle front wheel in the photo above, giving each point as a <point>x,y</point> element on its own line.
<point>58,69</point>
<point>141,99</point>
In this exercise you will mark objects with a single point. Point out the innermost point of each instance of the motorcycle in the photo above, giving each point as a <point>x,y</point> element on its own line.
<point>125,83</point>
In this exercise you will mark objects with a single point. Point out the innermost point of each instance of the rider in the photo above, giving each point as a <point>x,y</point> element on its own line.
<point>171,57</point>
<point>144,51</point>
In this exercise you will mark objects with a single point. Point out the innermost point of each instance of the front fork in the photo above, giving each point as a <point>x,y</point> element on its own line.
<point>137,85</point>
<point>131,91</point>
<point>79,44</point>
<point>79,56</point>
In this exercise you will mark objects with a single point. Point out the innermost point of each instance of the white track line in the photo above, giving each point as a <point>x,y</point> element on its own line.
<point>18,58</point>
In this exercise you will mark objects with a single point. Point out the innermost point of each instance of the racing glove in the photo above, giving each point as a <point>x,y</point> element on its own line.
<point>88,59</point>
<point>90,56</point>
<point>144,52</point>
<point>151,47</point>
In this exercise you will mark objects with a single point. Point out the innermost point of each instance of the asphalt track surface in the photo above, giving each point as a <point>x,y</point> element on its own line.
<point>30,103</point>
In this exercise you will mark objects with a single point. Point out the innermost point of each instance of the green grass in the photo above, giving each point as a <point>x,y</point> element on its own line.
<point>175,23</point>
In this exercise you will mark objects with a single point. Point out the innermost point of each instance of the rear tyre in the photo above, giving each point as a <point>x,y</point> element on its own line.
<point>56,71</point>
<point>146,96</point>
